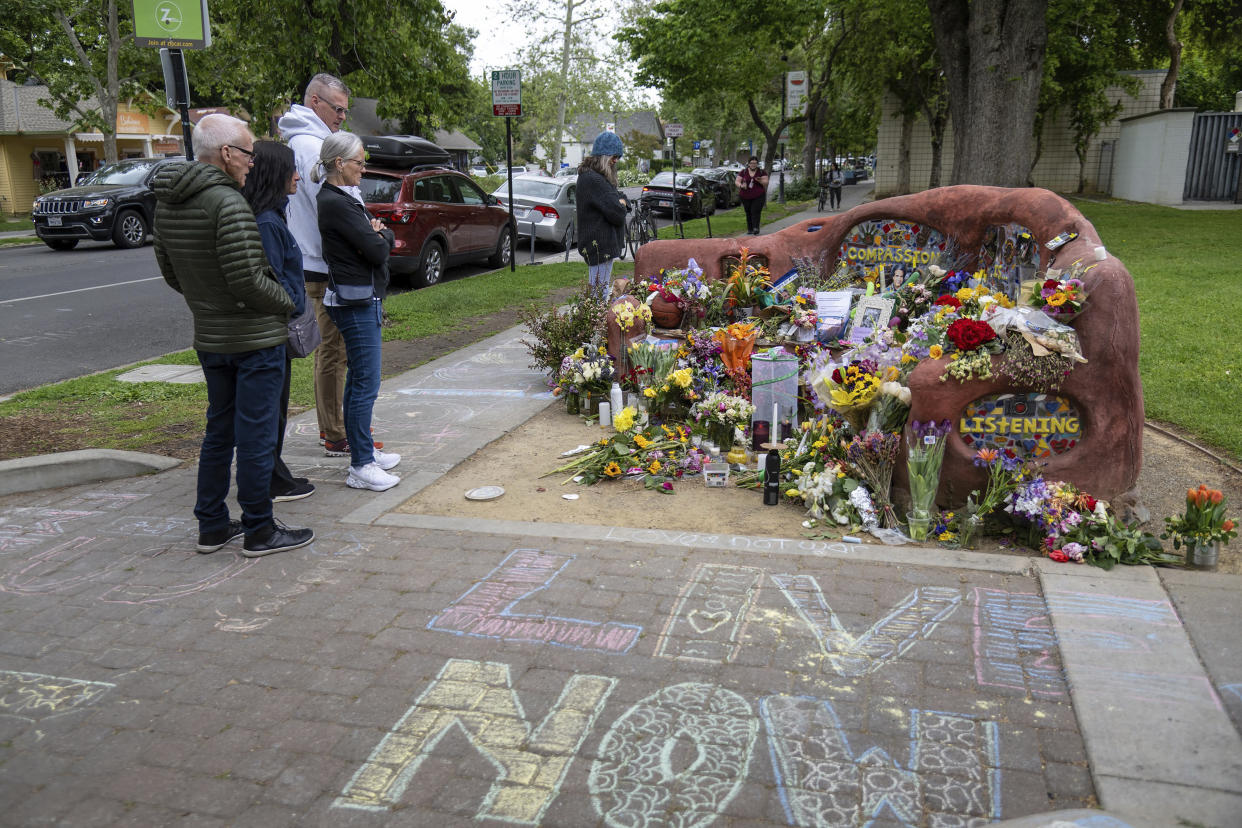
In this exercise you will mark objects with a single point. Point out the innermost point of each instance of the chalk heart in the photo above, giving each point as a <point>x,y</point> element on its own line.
<point>705,622</point>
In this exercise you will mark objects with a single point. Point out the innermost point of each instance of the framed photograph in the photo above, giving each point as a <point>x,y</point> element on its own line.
<point>872,313</point>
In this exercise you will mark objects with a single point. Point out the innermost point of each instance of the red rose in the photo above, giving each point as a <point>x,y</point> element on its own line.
<point>1058,556</point>
<point>950,300</point>
<point>969,334</point>
<point>836,375</point>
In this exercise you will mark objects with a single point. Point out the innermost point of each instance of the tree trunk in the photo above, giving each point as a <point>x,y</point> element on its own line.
<point>1169,86</point>
<point>992,52</point>
<point>903,153</point>
<point>814,128</point>
<point>937,114</point>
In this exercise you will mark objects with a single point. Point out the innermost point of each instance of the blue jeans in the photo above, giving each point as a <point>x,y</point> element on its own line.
<point>600,277</point>
<point>243,406</point>
<point>360,328</point>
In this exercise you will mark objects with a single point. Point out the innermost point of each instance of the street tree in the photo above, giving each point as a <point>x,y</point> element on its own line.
<point>84,53</point>
<point>992,53</point>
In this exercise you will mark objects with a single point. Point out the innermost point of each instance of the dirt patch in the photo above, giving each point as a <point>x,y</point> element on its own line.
<point>517,461</point>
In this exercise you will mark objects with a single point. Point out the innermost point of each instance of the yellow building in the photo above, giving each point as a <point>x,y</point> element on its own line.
<point>39,151</point>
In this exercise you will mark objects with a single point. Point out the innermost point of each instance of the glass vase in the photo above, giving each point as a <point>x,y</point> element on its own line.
<point>572,403</point>
<point>1203,555</point>
<point>918,523</point>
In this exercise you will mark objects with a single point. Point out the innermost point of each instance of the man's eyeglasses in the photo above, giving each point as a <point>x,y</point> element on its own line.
<point>248,153</point>
<point>339,110</point>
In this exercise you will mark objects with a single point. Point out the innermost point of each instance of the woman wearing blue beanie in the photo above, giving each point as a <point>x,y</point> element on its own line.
<point>601,210</point>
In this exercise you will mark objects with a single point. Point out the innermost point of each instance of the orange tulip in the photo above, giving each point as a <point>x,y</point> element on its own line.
<point>1227,525</point>
<point>1201,498</point>
<point>1190,495</point>
<point>1215,496</point>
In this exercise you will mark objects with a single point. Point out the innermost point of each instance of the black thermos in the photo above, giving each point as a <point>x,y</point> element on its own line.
<point>772,479</point>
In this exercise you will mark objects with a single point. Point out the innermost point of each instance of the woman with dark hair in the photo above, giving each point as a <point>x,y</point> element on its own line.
<point>753,183</point>
<point>271,181</point>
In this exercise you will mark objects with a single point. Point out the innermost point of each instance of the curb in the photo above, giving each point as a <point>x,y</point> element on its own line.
<point>72,468</point>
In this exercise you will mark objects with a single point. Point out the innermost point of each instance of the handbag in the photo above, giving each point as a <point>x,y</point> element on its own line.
<point>353,295</point>
<point>304,335</point>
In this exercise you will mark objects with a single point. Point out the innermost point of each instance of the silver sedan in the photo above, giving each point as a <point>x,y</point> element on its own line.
<point>547,203</point>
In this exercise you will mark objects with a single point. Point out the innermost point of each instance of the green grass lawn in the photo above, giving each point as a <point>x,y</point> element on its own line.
<point>1190,300</point>
<point>1182,263</point>
<point>9,223</point>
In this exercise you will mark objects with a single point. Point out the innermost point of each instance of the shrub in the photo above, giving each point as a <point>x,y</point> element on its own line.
<point>556,335</point>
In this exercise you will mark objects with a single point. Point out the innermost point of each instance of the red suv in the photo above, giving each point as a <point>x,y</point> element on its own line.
<point>440,218</point>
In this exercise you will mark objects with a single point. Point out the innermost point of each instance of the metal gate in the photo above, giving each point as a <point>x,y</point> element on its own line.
<point>1211,172</point>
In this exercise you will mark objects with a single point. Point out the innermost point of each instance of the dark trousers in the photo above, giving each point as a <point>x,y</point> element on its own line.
<point>834,197</point>
<point>754,209</point>
<point>243,395</point>
<point>282,478</point>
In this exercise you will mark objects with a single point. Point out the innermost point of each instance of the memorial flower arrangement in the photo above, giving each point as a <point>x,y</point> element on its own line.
<point>632,452</point>
<point>848,389</point>
<point>586,369</point>
<point>803,313</point>
<point>1061,298</point>
<point>924,458</point>
<point>722,414</point>
<point>630,316</point>
<point>1203,520</point>
<point>747,280</point>
<point>872,456</point>
<point>651,362</point>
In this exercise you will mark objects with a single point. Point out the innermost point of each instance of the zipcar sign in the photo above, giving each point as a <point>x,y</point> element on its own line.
<point>507,92</point>
<point>172,24</point>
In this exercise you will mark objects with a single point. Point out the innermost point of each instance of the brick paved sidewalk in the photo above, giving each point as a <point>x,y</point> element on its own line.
<point>414,670</point>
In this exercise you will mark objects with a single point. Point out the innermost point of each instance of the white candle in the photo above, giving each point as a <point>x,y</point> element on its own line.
<point>605,415</point>
<point>1100,254</point>
<point>775,431</point>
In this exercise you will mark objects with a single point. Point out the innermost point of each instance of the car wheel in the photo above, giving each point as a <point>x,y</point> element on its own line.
<point>61,244</point>
<point>431,269</point>
<point>130,230</point>
<point>504,250</point>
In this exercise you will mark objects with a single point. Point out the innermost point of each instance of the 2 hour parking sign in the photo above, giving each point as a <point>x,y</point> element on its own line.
<point>507,92</point>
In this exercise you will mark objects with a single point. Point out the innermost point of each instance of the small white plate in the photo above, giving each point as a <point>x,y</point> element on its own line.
<point>569,497</point>
<point>485,493</point>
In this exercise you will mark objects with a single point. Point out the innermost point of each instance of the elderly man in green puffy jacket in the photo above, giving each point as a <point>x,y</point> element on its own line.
<point>208,248</point>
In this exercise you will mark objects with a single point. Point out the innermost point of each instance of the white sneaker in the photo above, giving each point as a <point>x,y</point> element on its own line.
<point>372,477</point>
<point>385,459</point>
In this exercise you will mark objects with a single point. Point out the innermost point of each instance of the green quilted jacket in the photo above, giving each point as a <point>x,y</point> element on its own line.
<point>208,249</point>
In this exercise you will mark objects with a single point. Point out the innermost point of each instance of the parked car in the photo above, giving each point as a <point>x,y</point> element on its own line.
<point>116,203</point>
<point>547,202</point>
<point>725,182</point>
<point>695,197</point>
<point>480,171</point>
<point>440,218</point>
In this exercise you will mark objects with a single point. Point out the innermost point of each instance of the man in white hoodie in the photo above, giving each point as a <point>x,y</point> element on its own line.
<point>305,128</point>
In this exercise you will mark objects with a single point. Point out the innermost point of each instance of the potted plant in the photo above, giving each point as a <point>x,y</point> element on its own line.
<point>748,281</point>
<point>1202,527</point>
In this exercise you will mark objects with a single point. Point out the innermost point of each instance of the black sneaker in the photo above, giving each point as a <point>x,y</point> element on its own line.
<point>209,542</point>
<point>300,489</point>
<point>276,538</point>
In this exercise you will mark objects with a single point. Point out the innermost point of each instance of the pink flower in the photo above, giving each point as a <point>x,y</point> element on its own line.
<point>666,486</point>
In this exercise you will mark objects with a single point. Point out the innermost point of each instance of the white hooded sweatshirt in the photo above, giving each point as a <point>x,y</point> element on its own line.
<point>302,129</point>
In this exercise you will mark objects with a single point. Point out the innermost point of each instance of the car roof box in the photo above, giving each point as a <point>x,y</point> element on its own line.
<point>402,151</point>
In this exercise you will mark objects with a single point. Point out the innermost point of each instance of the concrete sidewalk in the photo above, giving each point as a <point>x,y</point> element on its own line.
<point>425,670</point>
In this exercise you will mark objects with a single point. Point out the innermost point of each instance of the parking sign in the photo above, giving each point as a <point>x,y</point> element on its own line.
<point>672,131</point>
<point>507,92</point>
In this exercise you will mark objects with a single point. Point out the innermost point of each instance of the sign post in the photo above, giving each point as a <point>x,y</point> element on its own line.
<point>164,25</point>
<point>675,131</point>
<point>507,103</point>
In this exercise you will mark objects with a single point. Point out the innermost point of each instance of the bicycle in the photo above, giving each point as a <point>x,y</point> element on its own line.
<point>641,227</point>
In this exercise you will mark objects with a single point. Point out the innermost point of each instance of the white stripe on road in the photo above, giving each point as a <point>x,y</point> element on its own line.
<point>79,290</point>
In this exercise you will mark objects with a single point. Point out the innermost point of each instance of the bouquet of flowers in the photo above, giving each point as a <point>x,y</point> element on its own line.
<point>632,451</point>
<point>1203,521</point>
<point>722,414</point>
<point>924,458</point>
<point>683,288</point>
<point>668,396</point>
<point>975,342</point>
<point>651,362</point>
<point>872,455</point>
<point>803,313</point>
<point>630,316</point>
<point>849,390</point>
<point>580,372</point>
<point>1061,298</point>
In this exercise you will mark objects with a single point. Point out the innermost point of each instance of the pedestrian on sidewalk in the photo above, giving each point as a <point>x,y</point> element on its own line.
<point>835,181</point>
<point>752,182</point>
<point>601,210</point>
<point>304,128</point>
<point>356,249</point>
<point>208,249</point>
<point>272,179</point>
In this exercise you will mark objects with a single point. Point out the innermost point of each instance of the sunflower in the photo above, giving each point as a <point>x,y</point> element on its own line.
<point>641,441</point>
<point>654,468</point>
<point>612,470</point>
